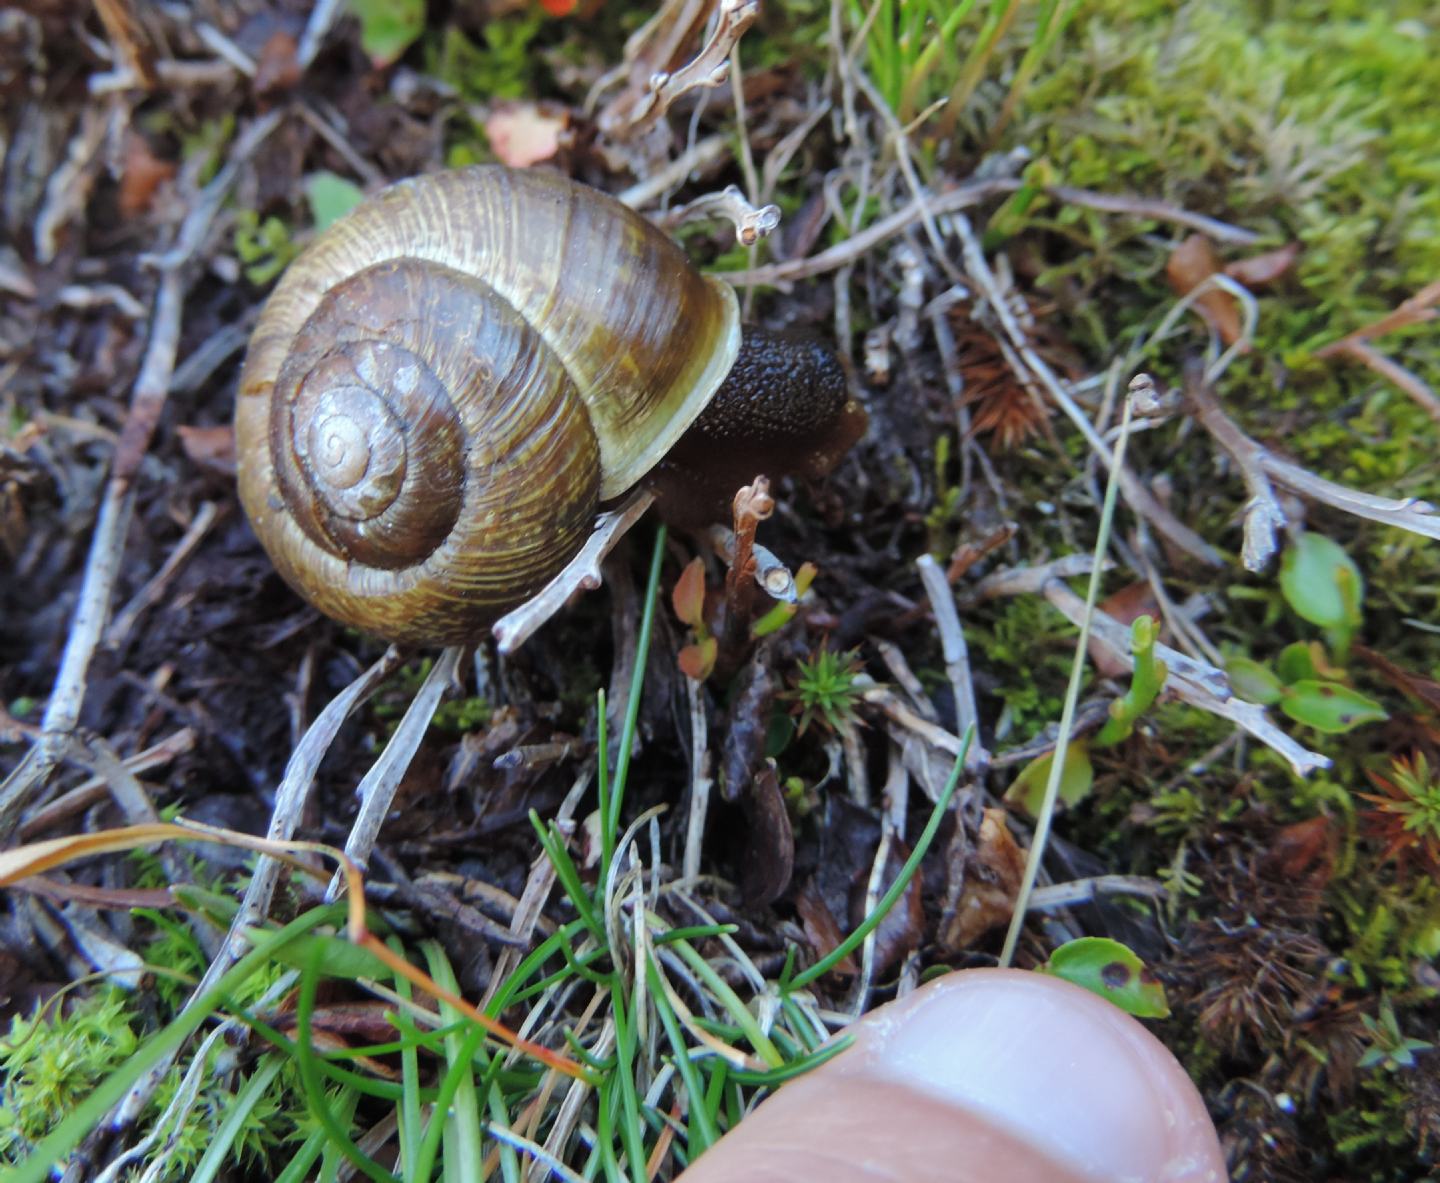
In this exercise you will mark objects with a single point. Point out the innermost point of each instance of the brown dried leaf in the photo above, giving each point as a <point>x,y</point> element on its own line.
<point>993,874</point>
<point>210,448</point>
<point>141,174</point>
<point>1304,851</point>
<point>277,68</point>
<point>38,857</point>
<point>688,598</point>
<point>1259,270</point>
<point>820,927</point>
<point>1417,686</point>
<point>698,661</point>
<point>742,750</point>
<point>770,849</point>
<point>98,897</point>
<point>1190,264</point>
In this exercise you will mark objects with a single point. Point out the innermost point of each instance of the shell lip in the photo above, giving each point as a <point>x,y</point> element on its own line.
<point>718,364</point>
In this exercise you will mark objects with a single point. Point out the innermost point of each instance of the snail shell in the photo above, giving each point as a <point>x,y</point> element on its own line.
<point>447,383</point>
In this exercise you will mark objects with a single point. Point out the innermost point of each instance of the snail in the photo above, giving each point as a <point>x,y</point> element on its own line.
<point>451,382</point>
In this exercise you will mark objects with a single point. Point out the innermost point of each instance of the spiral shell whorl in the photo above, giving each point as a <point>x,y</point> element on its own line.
<point>445,384</point>
<point>433,461</point>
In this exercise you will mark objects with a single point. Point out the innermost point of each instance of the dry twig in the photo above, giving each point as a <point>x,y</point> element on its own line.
<point>957,656</point>
<point>631,116</point>
<point>1259,466</point>
<point>751,223</point>
<point>1191,680</point>
<point>582,573</point>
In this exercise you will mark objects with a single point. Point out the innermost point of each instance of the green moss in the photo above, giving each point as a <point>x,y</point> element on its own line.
<point>1030,645</point>
<point>1316,124</point>
<point>51,1061</point>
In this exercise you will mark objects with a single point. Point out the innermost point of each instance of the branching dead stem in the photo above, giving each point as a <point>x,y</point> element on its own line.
<point>631,115</point>
<point>1259,467</point>
<point>751,223</point>
<point>963,197</point>
<point>1190,679</point>
<point>290,800</point>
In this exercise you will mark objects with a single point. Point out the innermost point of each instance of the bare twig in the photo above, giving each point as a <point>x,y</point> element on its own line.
<point>128,39</point>
<point>1419,517</point>
<point>581,574</point>
<point>1084,891</point>
<point>1411,383</point>
<point>751,224</point>
<point>69,185</point>
<point>775,578</point>
<point>1418,309</point>
<point>173,75</point>
<point>1264,516</point>
<point>1160,211</point>
<point>1141,500</point>
<point>709,68</point>
<point>752,505</point>
<point>957,656</point>
<point>225,49</point>
<point>700,780</point>
<point>1195,682</point>
<point>322,16</point>
<point>961,198</point>
<point>377,790</point>
<point>84,795</point>
<point>155,586</point>
<point>700,157</point>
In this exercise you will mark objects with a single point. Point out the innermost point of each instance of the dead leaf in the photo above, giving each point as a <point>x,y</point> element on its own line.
<point>820,926</point>
<point>141,174</point>
<point>742,749</point>
<point>277,68</point>
<point>38,857</point>
<point>1304,851</point>
<point>1191,264</point>
<point>992,881</point>
<point>98,897</point>
<point>770,845</point>
<point>688,598</point>
<point>521,134</point>
<point>210,448</point>
<point>1260,270</point>
<point>1417,686</point>
<point>698,661</point>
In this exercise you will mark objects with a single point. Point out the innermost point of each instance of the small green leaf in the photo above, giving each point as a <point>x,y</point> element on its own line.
<point>331,197</point>
<point>1254,682</point>
<point>1111,970</point>
<point>1296,663</point>
<point>1145,684</point>
<point>1329,706</point>
<point>1076,779</point>
<point>1321,583</point>
<point>388,27</point>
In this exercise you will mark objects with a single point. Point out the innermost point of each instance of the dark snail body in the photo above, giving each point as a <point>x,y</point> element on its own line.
<point>784,409</point>
<point>446,386</point>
